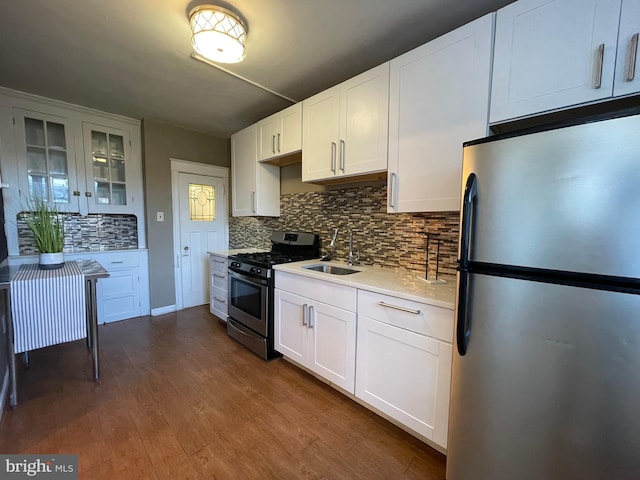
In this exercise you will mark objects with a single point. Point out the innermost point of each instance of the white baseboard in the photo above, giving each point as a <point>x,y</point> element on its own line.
<point>162,310</point>
<point>4,393</point>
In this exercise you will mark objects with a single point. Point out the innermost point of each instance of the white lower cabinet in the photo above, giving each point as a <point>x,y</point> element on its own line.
<point>125,293</point>
<point>218,288</point>
<point>398,363</point>
<point>316,335</point>
<point>403,366</point>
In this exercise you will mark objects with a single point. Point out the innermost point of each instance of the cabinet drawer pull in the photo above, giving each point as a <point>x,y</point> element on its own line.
<point>118,261</point>
<point>633,53</point>
<point>599,66</point>
<point>392,190</point>
<point>333,156</point>
<point>87,194</point>
<point>397,307</point>
<point>219,300</point>
<point>219,275</point>
<point>76,193</point>
<point>311,315</point>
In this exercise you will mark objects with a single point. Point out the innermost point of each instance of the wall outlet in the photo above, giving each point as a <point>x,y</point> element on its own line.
<point>160,216</point>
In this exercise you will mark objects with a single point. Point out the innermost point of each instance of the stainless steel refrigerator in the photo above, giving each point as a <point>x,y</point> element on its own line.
<point>546,369</point>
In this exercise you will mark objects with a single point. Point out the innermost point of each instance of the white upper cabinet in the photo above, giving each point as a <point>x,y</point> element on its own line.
<point>255,186</point>
<point>46,159</point>
<point>627,79</point>
<point>551,54</point>
<point>88,162</point>
<point>345,128</point>
<point>109,168</point>
<point>439,98</point>
<point>281,133</point>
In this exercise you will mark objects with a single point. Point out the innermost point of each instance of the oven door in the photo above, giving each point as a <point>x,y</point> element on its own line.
<point>249,301</point>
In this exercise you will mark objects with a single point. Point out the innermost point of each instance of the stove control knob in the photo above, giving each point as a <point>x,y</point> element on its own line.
<point>253,270</point>
<point>258,270</point>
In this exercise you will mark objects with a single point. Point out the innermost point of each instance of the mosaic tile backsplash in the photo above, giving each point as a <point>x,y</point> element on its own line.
<point>384,239</point>
<point>86,233</point>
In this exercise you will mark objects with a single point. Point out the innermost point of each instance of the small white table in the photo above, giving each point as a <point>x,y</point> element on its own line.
<point>92,271</point>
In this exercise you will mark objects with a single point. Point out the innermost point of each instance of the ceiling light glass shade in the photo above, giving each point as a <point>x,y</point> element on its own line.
<point>217,34</point>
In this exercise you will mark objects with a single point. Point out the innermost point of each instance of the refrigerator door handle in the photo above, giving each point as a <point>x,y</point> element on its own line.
<point>463,330</point>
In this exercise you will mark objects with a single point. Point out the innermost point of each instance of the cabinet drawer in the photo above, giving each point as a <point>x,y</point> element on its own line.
<point>333,294</point>
<point>219,300</point>
<point>413,316</point>
<point>118,260</point>
<point>218,264</point>
<point>219,280</point>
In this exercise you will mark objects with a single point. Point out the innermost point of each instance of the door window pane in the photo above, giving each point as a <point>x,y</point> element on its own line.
<point>34,131</point>
<point>38,187</point>
<point>60,189</point>
<point>99,143</point>
<point>116,146</point>
<point>57,162</point>
<point>36,160</point>
<point>119,194</point>
<point>55,136</point>
<point>202,202</point>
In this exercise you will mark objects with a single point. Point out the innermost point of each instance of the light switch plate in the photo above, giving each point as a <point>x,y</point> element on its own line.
<point>160,216</point>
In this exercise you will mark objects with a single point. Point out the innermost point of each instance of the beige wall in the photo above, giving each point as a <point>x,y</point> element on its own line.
<point>291,181</point>
<point>161,142</point>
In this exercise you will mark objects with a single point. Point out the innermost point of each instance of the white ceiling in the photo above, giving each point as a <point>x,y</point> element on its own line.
<point>132,57</point>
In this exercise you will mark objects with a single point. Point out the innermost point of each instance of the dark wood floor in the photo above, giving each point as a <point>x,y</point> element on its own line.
<point>180,399</point>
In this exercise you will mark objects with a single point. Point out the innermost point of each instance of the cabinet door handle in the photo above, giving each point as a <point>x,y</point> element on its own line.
<point>253,202</point>
<point>278,143</point>
<point>633,53</point>
<point>599,66</point>
<point>305,314</point>
<point>398,307</point>
<point>273,144</point>
<point>333,156</point>
<point>342,155</point>
<point>87,194</point>
<point>76,193</point>
<point>392,190</point>
<point>311,315</point>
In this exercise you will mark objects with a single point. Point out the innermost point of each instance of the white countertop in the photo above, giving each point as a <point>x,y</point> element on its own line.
<point>236,251</point>
<point>405,284</point>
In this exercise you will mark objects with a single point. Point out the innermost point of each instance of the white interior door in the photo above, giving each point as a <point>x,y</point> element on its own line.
<point>202,203</point>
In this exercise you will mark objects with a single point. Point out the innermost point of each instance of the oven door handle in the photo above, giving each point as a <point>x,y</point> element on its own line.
<point>247,278</point>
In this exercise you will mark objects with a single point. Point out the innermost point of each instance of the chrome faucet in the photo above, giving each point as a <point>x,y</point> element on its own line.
<point>351,257</point>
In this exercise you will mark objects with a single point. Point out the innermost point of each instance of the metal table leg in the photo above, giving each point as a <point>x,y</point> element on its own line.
<point>92,305</point>
<point>13,395</point>
<point>87,294</point>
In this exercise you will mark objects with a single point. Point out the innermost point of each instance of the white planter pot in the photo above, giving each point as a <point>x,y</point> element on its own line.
<point>51,261</point>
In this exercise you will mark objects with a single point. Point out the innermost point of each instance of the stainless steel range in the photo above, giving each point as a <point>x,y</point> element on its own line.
<point>251,288</point>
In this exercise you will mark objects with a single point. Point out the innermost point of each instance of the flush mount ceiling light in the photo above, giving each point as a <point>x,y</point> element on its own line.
<point>218,34</point>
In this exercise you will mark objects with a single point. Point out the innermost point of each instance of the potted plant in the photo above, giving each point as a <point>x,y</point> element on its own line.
<point>43,218</point>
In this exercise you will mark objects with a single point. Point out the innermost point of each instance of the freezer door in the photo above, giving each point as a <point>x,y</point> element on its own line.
<point>565,199</point>
<point>549,387</point>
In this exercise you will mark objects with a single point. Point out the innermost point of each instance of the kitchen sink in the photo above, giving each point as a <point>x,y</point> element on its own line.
<point>331,269</point>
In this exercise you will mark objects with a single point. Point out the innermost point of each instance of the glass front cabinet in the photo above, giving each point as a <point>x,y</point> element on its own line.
<point>50,168</point>
<point>46,159</point>
<point>85,161</point>
<point>107,156</point>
